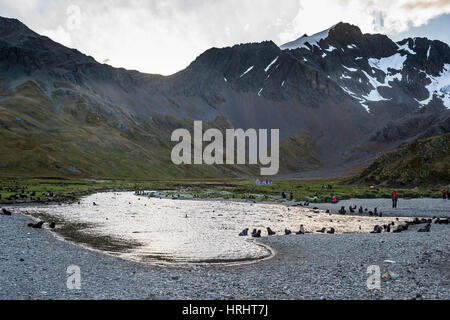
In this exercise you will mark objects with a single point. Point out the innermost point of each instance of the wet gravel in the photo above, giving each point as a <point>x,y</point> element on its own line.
<point>33,265</point>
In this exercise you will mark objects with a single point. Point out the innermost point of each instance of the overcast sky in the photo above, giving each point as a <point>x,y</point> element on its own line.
<point>164,36</point>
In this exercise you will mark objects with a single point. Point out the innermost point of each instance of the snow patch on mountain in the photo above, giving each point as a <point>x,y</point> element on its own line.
<point>405,47</point>
<point>302,41</point>
<point>247,71</point>
<point>350,69</point>
<point>439,86</point>
<point>330,48</point>
<point>374,95</point>
<point>360,100</point>
<point>268,67</point>
<point>395,62</point>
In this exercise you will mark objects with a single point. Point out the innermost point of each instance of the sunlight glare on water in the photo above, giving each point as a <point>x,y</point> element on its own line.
<point>190,231</point>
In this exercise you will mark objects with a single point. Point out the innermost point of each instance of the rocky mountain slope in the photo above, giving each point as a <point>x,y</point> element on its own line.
<point>339,98</point>
<point>425,161</point>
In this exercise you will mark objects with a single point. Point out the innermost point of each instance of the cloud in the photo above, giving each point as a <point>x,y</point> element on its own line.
<point>59,35</point>
<point>384,16</point>
<point>413,5</point>
<point>164,36</point>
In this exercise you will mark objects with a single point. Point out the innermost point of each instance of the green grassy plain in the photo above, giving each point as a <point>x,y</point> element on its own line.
<point>69,190</point>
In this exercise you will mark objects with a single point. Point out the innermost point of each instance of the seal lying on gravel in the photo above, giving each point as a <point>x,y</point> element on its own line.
<point>287,232</point>
<point>441,221</point>
<point>6,212</point>
<point>377,229</point>
<point>36,225</point>
<point>425,229</point>
<point>331,231</point>
<point>322,230</point>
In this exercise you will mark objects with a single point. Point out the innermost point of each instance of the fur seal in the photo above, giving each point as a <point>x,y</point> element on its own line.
<point>244,232</point>
<point>257,234</point>
<point>6,212</point>
<point>301,230</point>
<point>270,232</point>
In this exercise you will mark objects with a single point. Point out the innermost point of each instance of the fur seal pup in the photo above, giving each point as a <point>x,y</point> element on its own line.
<point>257,234</point>
<point>244,232</point>
<point>270,232</point>
<point>376,229</point>
<point>301,230</point>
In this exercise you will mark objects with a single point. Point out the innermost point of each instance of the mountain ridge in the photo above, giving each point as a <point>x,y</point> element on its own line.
<point>325,97</point>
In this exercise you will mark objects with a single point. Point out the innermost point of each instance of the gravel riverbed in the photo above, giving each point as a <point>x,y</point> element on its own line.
<point>33,265</point>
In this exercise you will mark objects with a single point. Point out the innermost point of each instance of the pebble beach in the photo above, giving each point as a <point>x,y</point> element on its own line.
<point>413,265</point>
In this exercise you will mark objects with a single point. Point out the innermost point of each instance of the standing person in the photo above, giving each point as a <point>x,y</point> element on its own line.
<point>394,199</point>
<point>444,194</point>
<point>283,194</point>
<point>291,196</point>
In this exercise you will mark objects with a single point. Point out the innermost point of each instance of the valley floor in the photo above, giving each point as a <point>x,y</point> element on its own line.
<point>33,265</point>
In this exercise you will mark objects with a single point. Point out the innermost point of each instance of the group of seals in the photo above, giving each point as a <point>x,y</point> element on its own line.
<point>257,233</point>
<point>373,213</point>
<point>405,226</point>
<point>323,230</point>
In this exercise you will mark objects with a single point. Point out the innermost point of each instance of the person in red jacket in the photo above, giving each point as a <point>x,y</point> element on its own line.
<point>444,194</point>
<point>394,199</point>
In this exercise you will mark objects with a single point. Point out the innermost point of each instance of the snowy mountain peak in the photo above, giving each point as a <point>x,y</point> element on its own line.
<point>339,30</point>
<point>303,40</point>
